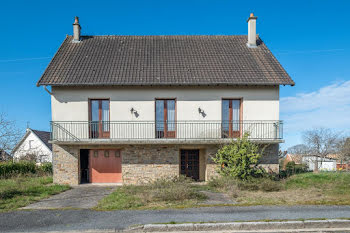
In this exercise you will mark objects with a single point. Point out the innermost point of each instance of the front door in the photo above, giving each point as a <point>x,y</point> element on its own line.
<point>105,166</point>
<point>190,163</point>
<point>165,118</point>
<point>99,118</point>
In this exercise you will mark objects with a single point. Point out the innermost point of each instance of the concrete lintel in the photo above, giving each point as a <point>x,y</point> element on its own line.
<point>164,141</point>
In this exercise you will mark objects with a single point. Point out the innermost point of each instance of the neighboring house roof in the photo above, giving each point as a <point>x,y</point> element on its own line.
<point>297,159</point>
<point>163,60</point>
<point>43,136</point>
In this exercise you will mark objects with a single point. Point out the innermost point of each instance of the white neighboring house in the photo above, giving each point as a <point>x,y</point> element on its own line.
<point>324,164</point>
<point>34,142</point>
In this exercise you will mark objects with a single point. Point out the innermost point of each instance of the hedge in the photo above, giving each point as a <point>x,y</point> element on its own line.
<point>8,169</point>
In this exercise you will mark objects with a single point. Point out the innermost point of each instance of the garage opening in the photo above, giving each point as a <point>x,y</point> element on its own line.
<point>105,166</point>
<point>84,166</point>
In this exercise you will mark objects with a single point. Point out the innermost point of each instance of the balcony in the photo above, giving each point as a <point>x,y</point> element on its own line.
<point>163,132</point>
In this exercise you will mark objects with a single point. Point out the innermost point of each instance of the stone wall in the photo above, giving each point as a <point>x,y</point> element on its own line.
<point>65,164</point>
<point>144,163</point>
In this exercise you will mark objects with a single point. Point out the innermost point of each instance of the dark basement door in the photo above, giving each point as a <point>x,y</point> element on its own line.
<point>190,163</point>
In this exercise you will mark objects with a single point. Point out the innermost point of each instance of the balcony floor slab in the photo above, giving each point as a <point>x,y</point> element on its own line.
<point>158,141</point>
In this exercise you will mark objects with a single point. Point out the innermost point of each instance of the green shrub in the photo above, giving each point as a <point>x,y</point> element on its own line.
<point>239,159</point>
<point>10,169</point>
<point>292,168</point>
<point>46,168</point>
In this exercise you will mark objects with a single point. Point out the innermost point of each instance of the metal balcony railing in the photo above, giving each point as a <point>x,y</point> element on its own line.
<point>179,130</point>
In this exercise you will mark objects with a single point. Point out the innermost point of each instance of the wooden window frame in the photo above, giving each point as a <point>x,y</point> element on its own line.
<point>166,132</point>
<point>101,133</point>
<point>233,134</point>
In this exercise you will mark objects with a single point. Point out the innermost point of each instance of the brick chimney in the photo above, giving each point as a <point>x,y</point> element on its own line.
<point>251,31</point>
<point>76,30</point>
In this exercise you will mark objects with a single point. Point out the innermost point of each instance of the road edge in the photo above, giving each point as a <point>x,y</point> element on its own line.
<point>271,225</point>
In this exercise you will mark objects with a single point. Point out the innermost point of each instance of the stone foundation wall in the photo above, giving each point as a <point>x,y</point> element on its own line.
<point>65,163</point>
<point>144,163</point>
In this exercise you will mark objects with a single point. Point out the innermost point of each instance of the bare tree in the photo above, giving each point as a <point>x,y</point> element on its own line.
<point>9,133</point>
<point>343,148</point>
<point>299,149</point>
<point>320,143</point>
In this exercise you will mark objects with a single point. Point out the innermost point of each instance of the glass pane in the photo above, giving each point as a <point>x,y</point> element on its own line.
<point>94,110</point>
<point>235,114</point>
<point>94,118</point>
<point>105,115</point>
<point>160,115</point>
<point>171,115</point>
<point>225,114</point>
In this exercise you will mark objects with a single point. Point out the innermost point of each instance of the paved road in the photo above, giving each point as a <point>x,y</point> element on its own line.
<point>55,220</point>
<point>82,197</point>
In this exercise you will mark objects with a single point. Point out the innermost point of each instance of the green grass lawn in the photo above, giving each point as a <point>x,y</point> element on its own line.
<point>21,191</point>
<point>324,188</point>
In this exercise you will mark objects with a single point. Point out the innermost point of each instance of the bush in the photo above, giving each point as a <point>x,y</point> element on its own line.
<point>177,188</point>
<point>46,168</point>
<point>292,168</point>
<point>239,159</point>
<point>9,169</point>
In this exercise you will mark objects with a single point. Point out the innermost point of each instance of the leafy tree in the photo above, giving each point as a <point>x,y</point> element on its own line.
<point>239,159</point>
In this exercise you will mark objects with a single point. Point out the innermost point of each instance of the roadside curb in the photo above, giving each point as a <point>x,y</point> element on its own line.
<point>287,225</point>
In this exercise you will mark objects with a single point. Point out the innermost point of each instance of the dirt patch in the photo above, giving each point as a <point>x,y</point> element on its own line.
<point>216,198</point>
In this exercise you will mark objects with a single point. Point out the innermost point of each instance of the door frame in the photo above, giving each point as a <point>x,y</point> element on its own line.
<point>165,117</point>
<point>101,133</point>
<point>231,132</point>
<point>199,162</point>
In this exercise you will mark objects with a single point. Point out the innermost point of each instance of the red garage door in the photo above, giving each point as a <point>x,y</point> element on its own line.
<point>105,166</point>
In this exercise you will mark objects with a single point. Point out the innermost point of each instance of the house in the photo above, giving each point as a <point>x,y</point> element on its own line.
<point>130,109</point>
<point>324,164</point>
<point>34,145</point>
<point>4,156</point>
<point>296,158</point>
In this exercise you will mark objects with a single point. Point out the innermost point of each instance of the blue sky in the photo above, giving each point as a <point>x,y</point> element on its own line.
<point>309,38</point>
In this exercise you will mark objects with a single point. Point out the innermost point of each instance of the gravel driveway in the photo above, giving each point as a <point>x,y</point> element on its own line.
<point>68,220</point>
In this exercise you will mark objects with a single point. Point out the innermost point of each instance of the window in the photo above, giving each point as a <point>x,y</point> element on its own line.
<point>231,118</point>
<point>31,144</point>
<point>99,118</point>
<point>165,118</point>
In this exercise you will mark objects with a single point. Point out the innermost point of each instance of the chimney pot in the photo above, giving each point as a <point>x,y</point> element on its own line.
<point>251,31</point>
<point>76,29</point>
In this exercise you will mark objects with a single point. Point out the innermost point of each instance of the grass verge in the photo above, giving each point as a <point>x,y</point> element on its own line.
<point>324,188</point>
<point>21,191</point>
<point>176,192</point>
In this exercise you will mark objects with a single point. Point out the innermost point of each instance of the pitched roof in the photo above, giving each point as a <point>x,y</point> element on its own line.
<point>163,60</point>
<point>44,137</point>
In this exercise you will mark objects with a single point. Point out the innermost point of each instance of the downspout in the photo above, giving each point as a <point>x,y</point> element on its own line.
<point>47,90</point>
